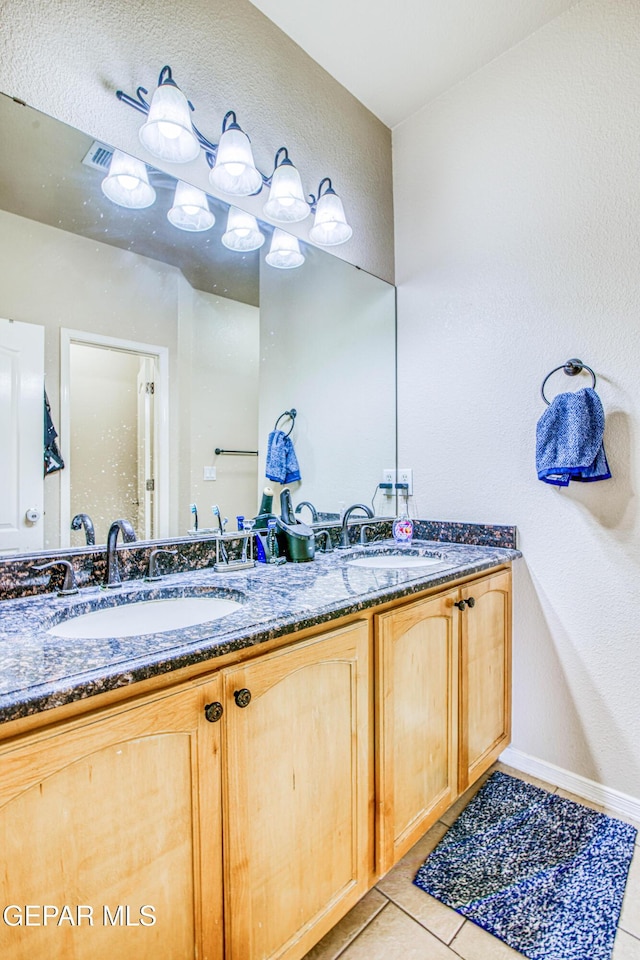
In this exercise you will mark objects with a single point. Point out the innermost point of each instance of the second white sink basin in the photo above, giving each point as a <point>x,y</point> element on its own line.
<point>145,617</point>
<point>390,561</point>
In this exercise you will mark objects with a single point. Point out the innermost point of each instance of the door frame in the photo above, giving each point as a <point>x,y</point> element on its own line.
<point>160,424</point>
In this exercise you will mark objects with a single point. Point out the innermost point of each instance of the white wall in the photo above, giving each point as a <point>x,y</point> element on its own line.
<point>518,246</point>
<point>327,345</point>
<point>68,57</point>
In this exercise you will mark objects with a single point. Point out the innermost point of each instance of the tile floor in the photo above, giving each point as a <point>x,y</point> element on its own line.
<point>398,921</point>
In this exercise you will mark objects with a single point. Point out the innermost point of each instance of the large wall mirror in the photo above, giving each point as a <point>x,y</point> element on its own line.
<point>159,347</point>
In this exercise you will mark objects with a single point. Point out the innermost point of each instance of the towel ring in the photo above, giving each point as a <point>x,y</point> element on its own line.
<point>292,414</point>
<point>571,368</point>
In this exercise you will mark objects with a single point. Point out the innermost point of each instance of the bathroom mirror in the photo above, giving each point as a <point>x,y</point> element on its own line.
<point>161,347</point>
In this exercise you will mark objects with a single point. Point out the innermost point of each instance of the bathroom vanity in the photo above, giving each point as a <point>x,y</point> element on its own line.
<point>231,791</point>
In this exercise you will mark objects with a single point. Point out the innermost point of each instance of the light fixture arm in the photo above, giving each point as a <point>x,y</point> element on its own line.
<point>313,199</point>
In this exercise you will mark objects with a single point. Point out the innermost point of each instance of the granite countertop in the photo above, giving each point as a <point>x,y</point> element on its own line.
<point>39,671</point>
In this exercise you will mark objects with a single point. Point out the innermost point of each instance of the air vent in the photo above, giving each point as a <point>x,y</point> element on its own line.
<point>98,156</point>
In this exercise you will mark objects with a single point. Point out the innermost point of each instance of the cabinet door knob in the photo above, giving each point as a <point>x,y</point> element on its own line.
<point>471,601</point>
<point>213,711</point>
<point>460,604</point>
<point>242,697</point>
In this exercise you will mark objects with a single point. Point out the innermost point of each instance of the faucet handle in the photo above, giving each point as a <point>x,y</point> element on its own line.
<point>152,572</point>
<point>69,585</point>
<point>363,534</point>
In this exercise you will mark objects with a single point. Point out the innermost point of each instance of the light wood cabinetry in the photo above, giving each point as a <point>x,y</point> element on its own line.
<point>443,705</point>
<point>114,813</point>
<point>485,675</point>
<point>297,794</point>
<point>122,813</point>
<point>417,721</point>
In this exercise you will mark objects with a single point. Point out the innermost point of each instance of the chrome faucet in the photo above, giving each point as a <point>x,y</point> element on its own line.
<point>128,536</point>
<point>152,570</point>
<point>363,534</point>
<point>307,503</point>
<point>69,585</point>
<point>328,546</point>
<point>344,543</point>
<point>84,520</point>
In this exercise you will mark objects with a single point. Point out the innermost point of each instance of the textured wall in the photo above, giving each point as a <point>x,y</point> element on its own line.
<point>518,246</point>
<point>67,58</point>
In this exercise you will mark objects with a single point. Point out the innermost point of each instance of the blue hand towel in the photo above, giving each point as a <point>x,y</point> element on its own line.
<point>569,439</point>
<point>282,463</point>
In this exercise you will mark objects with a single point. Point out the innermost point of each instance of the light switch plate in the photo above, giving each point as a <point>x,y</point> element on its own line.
<point>209,473</point>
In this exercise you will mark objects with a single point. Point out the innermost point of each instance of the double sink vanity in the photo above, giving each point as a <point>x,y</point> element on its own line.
<point>233,759</point>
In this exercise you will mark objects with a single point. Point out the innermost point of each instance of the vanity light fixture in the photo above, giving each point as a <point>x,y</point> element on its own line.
<point>330,225</point>
<point>190,210</point>
<point>242,233</point>
<point>169,134</point>
<point>286,203</point>
<point>285,251</point>
<point>234,171</point>
<point>127,182</point>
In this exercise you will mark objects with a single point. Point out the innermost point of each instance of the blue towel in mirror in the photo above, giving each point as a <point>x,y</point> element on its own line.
<point>569,439</point>
<point>282,463</point>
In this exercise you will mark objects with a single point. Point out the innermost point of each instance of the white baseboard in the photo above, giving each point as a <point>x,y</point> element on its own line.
<point>616,803</point>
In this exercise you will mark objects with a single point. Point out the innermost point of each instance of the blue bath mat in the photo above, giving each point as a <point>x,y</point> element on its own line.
<point>542,873</point>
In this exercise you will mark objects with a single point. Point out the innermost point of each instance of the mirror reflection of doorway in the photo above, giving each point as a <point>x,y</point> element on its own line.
<point>114,396</point>
<point>111,397</point>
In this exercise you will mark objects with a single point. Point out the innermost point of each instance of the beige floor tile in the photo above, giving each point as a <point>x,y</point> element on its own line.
<point>528,778</point>
<point>474,943</point>
<point>395,936</point>
<point>585,803</point>
<point>630,916</point>
<point>349,927</point>
<point>398,886</point>
<point>626,947</point>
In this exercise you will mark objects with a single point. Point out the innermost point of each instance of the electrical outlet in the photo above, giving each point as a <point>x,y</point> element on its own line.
<point>406,476</point>
<point>389,476</point>
<point>209,473</point>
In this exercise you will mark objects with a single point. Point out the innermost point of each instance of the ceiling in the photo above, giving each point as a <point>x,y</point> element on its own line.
<point>396,57</point>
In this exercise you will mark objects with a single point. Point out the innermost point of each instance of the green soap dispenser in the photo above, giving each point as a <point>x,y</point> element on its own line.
<point>265,512</point>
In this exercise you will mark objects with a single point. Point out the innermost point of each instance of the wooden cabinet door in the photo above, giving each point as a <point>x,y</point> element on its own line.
<point>298,786</point>
<point>106,816</point>
<point>417,721</point>
<point>485,674</point>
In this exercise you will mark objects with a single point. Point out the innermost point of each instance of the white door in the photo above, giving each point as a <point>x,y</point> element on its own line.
<point>146,467</point>
<point>21,436</point>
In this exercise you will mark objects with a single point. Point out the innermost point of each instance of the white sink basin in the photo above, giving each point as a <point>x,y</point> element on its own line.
<point>391,561</point>
<point>144,617</point>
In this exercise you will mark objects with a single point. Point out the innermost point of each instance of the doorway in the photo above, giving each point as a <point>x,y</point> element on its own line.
<point>113,395</point>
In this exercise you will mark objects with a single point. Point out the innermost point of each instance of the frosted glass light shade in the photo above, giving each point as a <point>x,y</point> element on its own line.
<point>190,210</point>
<point>284,252</point>
<point>330,226</point>
<point>242,231</point>
<point>286,203</point>
<point>127,182</point>
<point>235,172</point>
<point>168,131</point>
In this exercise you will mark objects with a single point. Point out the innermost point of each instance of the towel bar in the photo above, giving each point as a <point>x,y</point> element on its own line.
<point>571,368</point>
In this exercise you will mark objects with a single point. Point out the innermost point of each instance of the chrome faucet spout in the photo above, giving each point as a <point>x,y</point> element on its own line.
<point>128,536</point>
<point>84,520</point>
<point>344,543</point>
<point>310,506</point>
